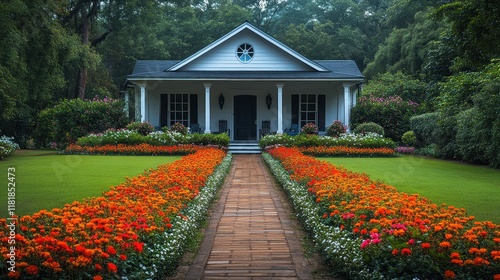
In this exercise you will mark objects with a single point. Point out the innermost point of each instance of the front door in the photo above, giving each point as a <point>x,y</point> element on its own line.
<point>245,117</point>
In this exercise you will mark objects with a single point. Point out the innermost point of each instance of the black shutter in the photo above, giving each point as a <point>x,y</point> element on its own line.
<point>295,109</point>
<point>164,110</point>
<point>193,108</point>
<point>321,112</point>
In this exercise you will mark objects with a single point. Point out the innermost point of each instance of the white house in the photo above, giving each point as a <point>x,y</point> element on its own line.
<point>244,78</point>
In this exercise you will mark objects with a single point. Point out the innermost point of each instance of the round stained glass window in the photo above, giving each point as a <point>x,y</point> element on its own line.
<point>245,53</point>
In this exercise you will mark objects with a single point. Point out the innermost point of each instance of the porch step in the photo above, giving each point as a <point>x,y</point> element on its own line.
<point>244,148</point>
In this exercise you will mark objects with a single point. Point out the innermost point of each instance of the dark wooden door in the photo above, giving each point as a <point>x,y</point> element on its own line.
<point>245,117</point>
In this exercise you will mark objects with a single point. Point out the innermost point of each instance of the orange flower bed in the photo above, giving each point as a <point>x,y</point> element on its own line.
<point>102,236</point>
<point>399,232</point>
<point>334,151</point>
<point>140,149</point>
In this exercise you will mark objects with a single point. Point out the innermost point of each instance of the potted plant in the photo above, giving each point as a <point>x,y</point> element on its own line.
<point>309,128</point>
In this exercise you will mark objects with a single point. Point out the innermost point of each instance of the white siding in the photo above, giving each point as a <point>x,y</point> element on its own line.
<point>267,57</point>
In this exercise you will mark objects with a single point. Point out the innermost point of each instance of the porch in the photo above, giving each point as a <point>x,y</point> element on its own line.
<point>244,108</point>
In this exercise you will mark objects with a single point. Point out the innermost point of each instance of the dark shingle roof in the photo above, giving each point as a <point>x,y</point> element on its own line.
<point>157,70</point>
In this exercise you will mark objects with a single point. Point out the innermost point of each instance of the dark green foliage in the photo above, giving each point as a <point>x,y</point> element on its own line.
<point>409,139</point>
<point>425,128</point>
<point>66,122</point>
<point>369,127</point>
<point>397,84</point>
<point>474,23</point>
<point>392,113</point>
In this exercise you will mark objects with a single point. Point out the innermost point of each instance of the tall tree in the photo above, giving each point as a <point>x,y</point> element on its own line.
<point>35,50</point>
<point>475,24</point>
<point>82,17</point>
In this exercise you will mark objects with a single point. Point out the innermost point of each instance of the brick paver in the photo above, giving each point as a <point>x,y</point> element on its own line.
<point>249,235</point>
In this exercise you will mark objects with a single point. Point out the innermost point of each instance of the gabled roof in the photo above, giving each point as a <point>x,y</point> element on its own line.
<point>336,70</point>
<point>258,32</point>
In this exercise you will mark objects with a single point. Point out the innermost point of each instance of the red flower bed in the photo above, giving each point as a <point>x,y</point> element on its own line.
<point>398,229</point>
<point>99,236</point>
<point>140,149</point>
<point>334,151</point>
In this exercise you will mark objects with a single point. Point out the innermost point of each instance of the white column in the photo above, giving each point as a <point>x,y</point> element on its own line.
<point>207,108</point>
<point>347,107</point>
<point>280,108</point>
<point>127,103</point>
<point>143,102</point>
<point>137,106</point>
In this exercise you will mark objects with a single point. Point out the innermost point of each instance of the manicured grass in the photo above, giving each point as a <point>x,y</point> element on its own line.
<point>475,188</point>
<point>47,180</point>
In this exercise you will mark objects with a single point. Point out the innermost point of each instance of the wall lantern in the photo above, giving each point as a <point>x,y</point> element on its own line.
<point>221,100</point>
<point>269,101</point>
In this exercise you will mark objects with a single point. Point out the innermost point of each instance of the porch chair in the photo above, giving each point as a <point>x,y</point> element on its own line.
<point>293,130</point>
<point>195,128</point>
<point>223,127</point>
<point>266,128</point>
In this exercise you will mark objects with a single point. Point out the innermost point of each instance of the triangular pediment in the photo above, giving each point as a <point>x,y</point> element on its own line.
<point>247,48</point>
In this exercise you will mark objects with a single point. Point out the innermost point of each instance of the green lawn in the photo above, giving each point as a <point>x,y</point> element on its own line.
<point>475,188</point>
<point>46,180</point>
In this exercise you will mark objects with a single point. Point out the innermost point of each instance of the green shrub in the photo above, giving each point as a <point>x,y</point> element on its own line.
<point>392,84</point>
<point>409,139</point>
<point>336,129</point>
<point>425,128</point>
<point>157,138</point>
<point>431,150</point>
<point>144,128</point>
<point>70,119</point>
<point>221,139</point>
<point>369,140</point>
<point>392,113</point>
<point>369,127</point>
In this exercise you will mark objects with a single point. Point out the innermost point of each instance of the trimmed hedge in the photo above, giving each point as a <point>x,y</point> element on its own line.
<point>425,128</point>
<point>157,138</point>
<point>370,140</point>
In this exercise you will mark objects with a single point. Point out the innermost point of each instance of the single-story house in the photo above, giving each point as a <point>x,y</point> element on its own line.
<point>244,80</point>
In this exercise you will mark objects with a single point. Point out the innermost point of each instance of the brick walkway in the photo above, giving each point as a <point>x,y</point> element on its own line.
<point>249,235</point>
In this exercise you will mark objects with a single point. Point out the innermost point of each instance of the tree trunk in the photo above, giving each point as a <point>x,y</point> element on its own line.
<point>82,74</point>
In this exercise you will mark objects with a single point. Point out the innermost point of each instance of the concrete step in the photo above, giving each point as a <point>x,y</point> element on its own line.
<point>244,148</point>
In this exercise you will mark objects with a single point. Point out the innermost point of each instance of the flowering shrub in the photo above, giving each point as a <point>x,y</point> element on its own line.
<point>336,129</point>
<point>143,128</point>
<point>369,140</point>
<point>137,229</point>
<point>135,150</point>
<point>343,151</point>
<point>179,128</point>
<point>388,234</point>
<point>405,150</point>
<point>309,128</point>
<point>157,138</point>
<point>7,146</point>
